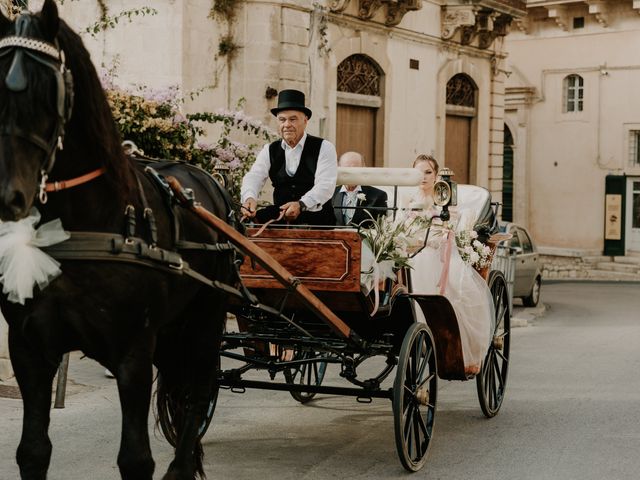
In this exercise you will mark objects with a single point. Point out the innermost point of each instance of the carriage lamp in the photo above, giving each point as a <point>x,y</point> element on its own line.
<point>445,192</point>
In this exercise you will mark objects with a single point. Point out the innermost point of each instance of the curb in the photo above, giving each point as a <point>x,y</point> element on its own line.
<point>523,317</point>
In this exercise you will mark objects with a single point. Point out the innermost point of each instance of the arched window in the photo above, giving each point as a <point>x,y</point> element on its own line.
<point>573,93</point>
<point>359,112</point>
<point>461,91</point>
<point>359,74</point>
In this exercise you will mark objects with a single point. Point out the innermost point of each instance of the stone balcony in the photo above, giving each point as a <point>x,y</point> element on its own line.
<point>563,11</point>
<point>479,22</point>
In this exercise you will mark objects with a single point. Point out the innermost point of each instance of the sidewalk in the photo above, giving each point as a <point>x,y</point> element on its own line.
<point>524,316</point>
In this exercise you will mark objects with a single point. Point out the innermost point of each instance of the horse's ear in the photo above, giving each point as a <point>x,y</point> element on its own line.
<point>50,19</point>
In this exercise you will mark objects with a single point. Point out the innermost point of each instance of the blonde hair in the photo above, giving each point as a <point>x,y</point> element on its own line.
<point>427,158</point>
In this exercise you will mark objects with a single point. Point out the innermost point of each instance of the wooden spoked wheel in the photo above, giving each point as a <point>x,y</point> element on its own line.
<point>305,374</point>
<point>414,397</point>
<point>492,379</point>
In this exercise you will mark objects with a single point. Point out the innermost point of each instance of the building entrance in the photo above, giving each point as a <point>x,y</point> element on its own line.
<point>633,215</point>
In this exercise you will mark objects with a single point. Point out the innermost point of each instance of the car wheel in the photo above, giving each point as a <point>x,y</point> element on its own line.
<point>534,297</point>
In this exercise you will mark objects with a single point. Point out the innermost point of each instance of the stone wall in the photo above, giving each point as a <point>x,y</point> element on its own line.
<point>563,268</point>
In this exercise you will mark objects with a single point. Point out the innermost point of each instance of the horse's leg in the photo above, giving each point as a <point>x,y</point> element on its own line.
<point>201,367</point>
<point>134,376</point>
<point>34,374</point>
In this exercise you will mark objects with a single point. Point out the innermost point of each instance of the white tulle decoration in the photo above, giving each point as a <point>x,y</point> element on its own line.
<point>22,263</point>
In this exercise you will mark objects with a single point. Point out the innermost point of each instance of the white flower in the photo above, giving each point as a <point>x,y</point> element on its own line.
<point>474,234</point>
<point>361,197</point>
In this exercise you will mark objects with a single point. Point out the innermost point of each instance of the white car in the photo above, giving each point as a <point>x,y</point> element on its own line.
<point>528,270</point>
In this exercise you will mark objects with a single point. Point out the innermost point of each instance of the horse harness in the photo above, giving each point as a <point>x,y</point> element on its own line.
<point>132,248</point>
<point>102,246</point>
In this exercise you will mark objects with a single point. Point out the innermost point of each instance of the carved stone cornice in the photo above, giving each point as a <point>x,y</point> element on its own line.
<point>600,10</point>
<point>396,9</point>
<point>496,25</point>
<point>560,15</point>
<point>368,8</point>
<point>473,22</point>
<point>457,17</point>
<point>338,6</point>
<point>523,24</point>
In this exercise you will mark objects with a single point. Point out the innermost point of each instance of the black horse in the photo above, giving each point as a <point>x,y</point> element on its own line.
<point>130,311</point>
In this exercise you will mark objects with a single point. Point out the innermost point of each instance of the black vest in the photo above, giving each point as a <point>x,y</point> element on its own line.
<point>289,189</point>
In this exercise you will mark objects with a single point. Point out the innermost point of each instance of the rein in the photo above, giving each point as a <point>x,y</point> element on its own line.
<point>64,184</point>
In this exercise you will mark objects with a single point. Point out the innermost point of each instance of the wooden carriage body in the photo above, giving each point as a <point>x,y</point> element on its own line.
<point>328,262</point>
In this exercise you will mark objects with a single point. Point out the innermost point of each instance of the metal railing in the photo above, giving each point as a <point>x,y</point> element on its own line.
<point>505,260</point>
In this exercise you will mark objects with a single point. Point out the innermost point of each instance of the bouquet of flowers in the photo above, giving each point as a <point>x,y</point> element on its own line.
<point>472,251</point>
<point>396,239</point>
<point>387,245</point>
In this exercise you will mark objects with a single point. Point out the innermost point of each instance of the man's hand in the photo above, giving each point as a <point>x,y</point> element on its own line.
<point>249,208</point>
<point>291,210</point>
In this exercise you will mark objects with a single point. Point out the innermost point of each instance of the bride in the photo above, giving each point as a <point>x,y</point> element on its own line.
<point>465,289</point>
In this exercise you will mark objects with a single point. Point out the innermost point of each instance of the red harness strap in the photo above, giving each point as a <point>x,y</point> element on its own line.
<point>57,186</point>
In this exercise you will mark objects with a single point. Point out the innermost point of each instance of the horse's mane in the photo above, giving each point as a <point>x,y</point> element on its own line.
<point>92,124</point>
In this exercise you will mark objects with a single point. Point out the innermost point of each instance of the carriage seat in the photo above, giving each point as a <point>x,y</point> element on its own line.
<point>476,212</point>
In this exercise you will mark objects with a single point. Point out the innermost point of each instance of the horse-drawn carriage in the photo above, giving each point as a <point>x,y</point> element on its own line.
<point>306,308</point>
<point>143,281</point>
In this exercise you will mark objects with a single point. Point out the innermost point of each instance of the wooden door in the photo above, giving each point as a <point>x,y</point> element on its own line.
<point>356,131</point>
<point>457,146</point>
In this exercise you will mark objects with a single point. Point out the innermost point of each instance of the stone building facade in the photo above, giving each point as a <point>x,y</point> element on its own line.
<point>390,78</point>
<point>574,124</point>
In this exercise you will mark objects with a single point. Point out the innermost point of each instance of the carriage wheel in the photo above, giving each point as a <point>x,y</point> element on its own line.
<point>305,374</point>
<point>414,397</point>
<point>492,379</point>
<point>166,412</point>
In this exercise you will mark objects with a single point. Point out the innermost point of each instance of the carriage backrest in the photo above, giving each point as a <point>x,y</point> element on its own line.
<point>375,176</point>
<point>475,210</point>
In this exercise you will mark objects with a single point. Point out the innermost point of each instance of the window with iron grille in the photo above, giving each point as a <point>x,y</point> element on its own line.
<point>573,93</point>
<point>461,91</point>
<point>359,74</point>
<point>634,148</point>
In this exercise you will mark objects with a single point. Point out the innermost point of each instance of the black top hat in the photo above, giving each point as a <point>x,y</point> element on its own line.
<point>291,100</point>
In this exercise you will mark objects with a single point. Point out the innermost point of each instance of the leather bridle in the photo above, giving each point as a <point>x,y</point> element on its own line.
<point>52,57</point>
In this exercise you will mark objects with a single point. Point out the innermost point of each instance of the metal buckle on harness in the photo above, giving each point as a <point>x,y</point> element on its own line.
<point>42,194</point>
<point>177,266</point>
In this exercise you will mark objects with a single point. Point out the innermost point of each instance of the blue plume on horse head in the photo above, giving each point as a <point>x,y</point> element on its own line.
<point>16,79</point>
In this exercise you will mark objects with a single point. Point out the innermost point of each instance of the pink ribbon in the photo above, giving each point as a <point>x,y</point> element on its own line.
<point>376,295</point>
<point>445,258</point>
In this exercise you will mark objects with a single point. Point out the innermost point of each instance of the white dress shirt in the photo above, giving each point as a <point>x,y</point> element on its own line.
<point>349,199</point>
<point>324,183</point>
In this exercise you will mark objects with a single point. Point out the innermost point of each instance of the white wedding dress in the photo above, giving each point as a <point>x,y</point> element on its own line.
<point>465,289</point>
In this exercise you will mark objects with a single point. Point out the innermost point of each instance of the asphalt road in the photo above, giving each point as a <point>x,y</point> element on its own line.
<point>571,412</point>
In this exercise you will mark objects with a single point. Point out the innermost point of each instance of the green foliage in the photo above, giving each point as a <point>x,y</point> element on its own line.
<point>224,10</point>
<point>227,46</point>
<point>153,121</point>
<point>110,21</point>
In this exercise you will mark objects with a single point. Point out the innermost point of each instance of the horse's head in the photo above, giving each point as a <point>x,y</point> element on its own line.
<point>36,92</point>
